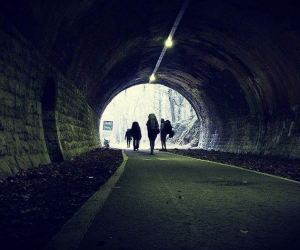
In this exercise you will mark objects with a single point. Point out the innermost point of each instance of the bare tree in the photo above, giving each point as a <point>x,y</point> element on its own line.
<point>160,96</point>
<point>172,104</point>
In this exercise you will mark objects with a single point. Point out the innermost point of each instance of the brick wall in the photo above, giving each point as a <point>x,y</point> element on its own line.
<point>276,135</point>
<point>23,75</point>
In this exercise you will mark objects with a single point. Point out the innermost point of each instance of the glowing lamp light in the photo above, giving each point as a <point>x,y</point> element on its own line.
<point>152,78</point>
<point>169,43</point>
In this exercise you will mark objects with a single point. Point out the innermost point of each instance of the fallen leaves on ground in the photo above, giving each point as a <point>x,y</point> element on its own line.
<point>275,165</point>
<point>35,203</point>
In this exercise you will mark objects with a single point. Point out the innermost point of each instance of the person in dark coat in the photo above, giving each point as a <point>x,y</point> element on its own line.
<point>128,137</point>
<point>136,134</point>
<point>153,130</point>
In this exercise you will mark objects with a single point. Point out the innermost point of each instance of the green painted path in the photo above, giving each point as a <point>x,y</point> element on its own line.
<point>167,201</point>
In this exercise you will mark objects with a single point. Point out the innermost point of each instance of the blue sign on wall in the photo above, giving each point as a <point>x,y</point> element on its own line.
<point>108,125</point>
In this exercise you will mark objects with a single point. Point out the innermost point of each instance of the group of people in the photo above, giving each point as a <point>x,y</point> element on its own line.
<point>153,130</point>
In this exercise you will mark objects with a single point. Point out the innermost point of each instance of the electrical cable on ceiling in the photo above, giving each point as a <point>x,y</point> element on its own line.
<point>175,25</point>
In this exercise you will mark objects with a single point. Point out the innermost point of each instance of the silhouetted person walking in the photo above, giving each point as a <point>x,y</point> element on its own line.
<point>128,137</point>
<point>153,130</point>
<point>136,134</point>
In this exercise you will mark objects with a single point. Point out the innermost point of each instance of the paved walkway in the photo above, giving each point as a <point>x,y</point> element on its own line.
<point>167,201</point>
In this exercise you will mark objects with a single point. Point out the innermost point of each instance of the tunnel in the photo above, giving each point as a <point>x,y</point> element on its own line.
<point>62,62</point>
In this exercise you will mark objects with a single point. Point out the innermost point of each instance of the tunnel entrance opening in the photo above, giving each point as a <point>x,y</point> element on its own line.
<point>49,122</point>
<point>136,103</point>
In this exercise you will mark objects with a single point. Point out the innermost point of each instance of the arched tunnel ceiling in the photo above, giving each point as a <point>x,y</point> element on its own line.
<point>229,55</point>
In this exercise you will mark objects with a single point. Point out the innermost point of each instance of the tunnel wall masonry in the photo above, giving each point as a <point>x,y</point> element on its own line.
<point>269,126</point>
<point>22,143</point>
<point>277,135</point>
<point>23,72</point>
<point>77,130</point>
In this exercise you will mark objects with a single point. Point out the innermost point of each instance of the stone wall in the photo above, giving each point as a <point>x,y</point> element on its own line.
<point>241,120</point>
<point>277,135</point>
<point>70,122</point>
<point>77,124</point>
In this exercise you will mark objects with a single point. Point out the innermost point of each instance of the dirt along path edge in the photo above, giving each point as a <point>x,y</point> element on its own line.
<point>73,230</point>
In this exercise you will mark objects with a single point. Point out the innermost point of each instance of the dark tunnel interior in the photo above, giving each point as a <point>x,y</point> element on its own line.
<point>62,62</point>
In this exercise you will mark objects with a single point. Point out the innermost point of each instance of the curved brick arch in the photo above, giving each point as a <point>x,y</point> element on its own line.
<point>236,61</point>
